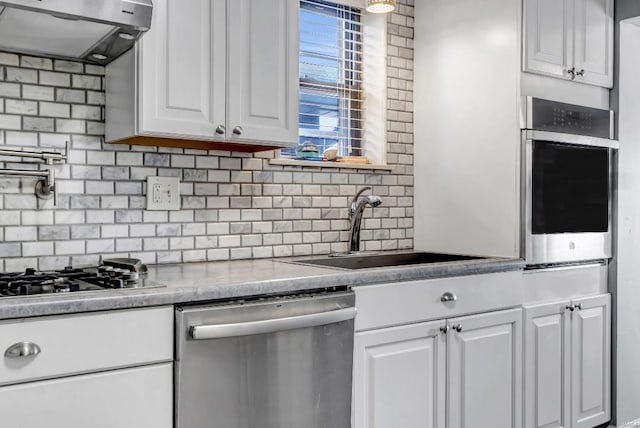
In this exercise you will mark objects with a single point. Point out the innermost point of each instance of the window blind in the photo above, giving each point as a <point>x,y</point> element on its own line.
<point>331,77</point>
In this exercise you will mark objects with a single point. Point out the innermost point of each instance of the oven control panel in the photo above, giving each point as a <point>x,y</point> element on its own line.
<point>553,116</point>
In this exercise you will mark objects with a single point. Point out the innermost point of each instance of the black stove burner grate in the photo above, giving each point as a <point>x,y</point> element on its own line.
<point>32,282</point>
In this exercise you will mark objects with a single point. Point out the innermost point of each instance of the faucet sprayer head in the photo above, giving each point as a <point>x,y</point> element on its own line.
<point>373,200</point>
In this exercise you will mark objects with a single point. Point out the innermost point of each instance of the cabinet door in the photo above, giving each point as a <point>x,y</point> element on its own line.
<point>548,36</point>
<point>547,363</point>
<point>591,362</point>
<point>593,46</point>
<point>139,397</point>
<point>484,363</point>
<point>263,60</point>
<point>182,70</point>
<point>399,377</point>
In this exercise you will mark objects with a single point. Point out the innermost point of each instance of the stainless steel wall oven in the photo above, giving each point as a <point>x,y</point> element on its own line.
<point>567,159</point>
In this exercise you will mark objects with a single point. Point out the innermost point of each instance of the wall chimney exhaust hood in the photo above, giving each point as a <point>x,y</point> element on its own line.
<point>91,31</point>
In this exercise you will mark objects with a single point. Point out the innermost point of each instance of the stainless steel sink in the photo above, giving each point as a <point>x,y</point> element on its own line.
<point>363,261</point>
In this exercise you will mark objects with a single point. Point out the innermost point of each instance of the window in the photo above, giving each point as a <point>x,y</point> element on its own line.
<point>331,89</point>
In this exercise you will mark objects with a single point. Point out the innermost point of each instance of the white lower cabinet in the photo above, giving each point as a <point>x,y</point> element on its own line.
<point>137,397</point>
<point>484,364</point>
<point>399,377</point>
<point>568,363</point>
<point>101,370</point>
<point>457,373</point>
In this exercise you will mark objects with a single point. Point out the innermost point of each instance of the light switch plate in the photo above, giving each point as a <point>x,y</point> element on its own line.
<point>163,193</point>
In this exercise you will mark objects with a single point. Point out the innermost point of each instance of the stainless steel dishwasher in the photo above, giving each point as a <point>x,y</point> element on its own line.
<point>278,362</point>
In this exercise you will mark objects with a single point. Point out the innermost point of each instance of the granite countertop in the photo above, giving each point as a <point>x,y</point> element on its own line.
<point>198,282</point>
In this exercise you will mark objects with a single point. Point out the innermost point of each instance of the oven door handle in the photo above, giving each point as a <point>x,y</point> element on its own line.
<point>220,331</point>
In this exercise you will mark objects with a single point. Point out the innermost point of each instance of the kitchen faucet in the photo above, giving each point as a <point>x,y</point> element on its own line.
<point>356,208</point>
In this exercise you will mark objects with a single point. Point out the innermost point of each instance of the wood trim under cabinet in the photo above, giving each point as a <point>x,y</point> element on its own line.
<point>194,144</point>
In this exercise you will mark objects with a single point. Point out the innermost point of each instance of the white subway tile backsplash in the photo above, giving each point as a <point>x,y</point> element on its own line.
<point>33,92</point>
<point>127,245</point>
<point>10,121</point>
<point>31,249</point>
<point>9,59</point>
<point>71,126</point>
<point>20,233</point>
<point>69,247</point>
<point>18,264</point>
<point>114,231</point>
<point>86,82</point>
<point>21,139</point>
<point>86,232</point>
<point>234,205</point>
<point>55,78</point>
<point>68,66</point>
<point>69,217</point>
<point>156,244</point>
<point>35,217</point>
<point>37,124</point>
<point>21,107</point>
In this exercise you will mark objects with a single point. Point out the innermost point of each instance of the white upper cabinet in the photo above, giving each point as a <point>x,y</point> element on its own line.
<point>570,39</point>
<point>548,32</point>
<point>593,42</point>
<point>182,87</point>
<point>209,74</point>
<point>263,70</point>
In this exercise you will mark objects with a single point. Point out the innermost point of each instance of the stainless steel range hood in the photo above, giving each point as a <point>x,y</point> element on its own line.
<point>93,31</point>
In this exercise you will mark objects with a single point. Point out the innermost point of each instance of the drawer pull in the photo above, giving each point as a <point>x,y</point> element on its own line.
<point>457,328</point>
<point>22,349</point>
<point>448,297</point>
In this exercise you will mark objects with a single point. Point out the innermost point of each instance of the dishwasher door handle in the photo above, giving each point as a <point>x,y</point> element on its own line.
<point>220,331</point>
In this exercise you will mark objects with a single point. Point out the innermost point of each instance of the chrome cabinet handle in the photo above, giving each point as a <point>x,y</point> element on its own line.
<point>219,331</point>
<point>572,72</point>
<point>457,327</point>
<point>570,307</point>
<point>237,130</point>
<point>448,297</point>
<point>220,130</point>
<point>579,306</point>
<point>22,349</point>
<point>580,73</point>
<point>444,329</point>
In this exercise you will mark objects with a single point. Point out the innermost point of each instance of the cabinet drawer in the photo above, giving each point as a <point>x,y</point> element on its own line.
<point>137,397</point>
<point>392,304</point>
<point>81,343</point>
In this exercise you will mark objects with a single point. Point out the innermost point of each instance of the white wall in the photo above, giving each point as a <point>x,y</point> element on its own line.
<point>627,291</point>
<point>466,128</point>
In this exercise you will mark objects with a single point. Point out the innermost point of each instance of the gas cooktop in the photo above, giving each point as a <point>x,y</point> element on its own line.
<point>108,276</point>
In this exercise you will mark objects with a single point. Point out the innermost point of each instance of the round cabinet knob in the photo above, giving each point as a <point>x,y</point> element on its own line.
<point>572,72</point>
<point>457,327</point>
<point>570,307</point>
<point>579,306</point>
<point>237,130</point>
<point>444,329</point>
<point>220,130</point>
<point>448,297</point>
<point>22,349</point>
<point>580,73</point>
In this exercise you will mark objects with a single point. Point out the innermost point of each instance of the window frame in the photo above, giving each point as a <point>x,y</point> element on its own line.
<point>373,98</point>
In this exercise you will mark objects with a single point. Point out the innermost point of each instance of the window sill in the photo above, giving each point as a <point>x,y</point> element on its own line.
<point>295,162</point>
